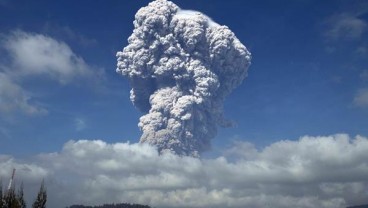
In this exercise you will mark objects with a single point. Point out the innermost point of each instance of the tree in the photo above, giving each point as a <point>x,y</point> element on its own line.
<point>10,199</point>
<point>20,197</point>
<point>41,199</point>
<point>1,194</point>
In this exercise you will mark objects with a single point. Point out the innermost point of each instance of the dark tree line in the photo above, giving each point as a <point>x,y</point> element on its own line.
<point>122,205</point>
<point>15,199</point>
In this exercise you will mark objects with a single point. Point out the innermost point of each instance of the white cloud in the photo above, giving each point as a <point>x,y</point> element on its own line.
<point>13,97</point>
<point>27,172</point>
<point>345,26</point>
<point>361,98</point>
<point>37,54</point>
<point>313,172</point>
<point>29,55</point>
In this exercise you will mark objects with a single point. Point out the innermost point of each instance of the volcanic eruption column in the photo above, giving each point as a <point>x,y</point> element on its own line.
<point>181,66</point>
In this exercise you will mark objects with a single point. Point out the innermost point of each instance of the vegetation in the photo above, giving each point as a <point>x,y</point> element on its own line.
<point>11,199</point>
<point>41,199</point>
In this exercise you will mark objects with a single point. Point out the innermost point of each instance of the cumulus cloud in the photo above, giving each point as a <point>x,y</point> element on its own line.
<point>181,66</point>
<point>324,172</point>
<point>27,171</point>
<point>37,54</point>
<point>30,55</point>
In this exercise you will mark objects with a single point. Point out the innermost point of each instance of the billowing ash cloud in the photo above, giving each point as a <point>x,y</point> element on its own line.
<point>181,66</point>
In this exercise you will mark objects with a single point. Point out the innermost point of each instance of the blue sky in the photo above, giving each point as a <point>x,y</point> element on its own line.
<point>66,116</point>
<point>308,74</point>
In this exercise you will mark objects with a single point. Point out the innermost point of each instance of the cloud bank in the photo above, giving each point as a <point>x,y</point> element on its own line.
<point>324,172</point>
<point>181,66</point>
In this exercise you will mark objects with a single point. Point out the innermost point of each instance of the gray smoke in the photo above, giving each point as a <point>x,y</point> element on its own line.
<point>181,66</point>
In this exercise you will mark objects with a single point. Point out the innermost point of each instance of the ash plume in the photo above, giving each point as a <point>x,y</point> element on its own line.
<point>181,66</point>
